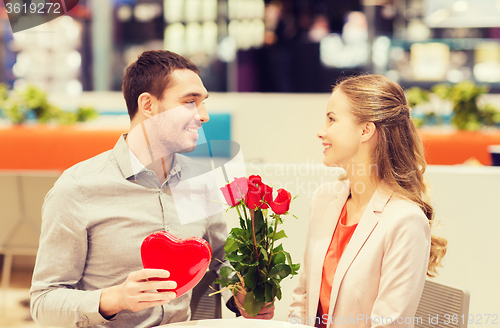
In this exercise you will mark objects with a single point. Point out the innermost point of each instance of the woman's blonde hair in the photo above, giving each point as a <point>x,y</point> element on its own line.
<point>399,153</point>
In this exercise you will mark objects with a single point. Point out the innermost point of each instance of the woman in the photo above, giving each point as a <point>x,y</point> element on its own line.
<point>369,245</point>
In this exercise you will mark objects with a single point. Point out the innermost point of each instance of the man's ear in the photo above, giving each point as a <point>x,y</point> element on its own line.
<point>145,104</point>
<point>369,130</point>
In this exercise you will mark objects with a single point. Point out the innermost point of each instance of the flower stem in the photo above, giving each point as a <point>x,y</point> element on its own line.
<point>239,210</point>
<point>274,236</point>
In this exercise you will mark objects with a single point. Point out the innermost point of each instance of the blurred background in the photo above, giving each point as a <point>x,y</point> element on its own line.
<point>261,46</point>
<point>269,67</point>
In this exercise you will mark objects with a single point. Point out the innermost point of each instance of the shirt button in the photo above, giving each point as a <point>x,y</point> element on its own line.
<point>150,173</point>
<point>167,229</point>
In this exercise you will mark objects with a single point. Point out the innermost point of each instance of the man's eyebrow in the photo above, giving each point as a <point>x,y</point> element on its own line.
<point>194,94</point>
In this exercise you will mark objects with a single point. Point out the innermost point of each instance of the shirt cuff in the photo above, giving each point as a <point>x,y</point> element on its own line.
<point>91,308</point>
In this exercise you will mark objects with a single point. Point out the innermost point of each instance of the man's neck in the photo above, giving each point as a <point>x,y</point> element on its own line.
<point>162,167</point>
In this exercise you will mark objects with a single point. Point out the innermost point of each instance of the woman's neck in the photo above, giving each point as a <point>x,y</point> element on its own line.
<point>363,184</point>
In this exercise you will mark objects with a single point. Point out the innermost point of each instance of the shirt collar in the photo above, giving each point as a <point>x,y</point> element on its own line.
<point>130,164</point>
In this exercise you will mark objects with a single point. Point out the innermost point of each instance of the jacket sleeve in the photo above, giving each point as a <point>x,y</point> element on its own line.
<point>299,294</point>
<point>60,261</point>
<point>403,271</point>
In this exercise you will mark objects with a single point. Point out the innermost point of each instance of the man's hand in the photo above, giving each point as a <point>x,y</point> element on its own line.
<point>267,312</point>
<point>137,292</point>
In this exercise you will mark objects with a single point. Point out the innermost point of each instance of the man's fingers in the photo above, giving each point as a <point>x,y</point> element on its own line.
<point>156,297</point>
<point>146,274</point>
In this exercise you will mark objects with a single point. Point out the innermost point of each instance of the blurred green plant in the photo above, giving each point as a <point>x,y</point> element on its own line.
<point>20,105</point>
<point>417,96</point>
<point>467,115</point>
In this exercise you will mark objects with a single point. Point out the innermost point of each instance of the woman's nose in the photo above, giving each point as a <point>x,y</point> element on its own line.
<point>321,132</point>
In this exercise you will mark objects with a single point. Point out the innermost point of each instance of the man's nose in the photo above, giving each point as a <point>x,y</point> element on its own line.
<point>202,114</point>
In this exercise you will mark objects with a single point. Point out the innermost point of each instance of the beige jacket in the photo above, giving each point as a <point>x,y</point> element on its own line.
<point>380,277</point>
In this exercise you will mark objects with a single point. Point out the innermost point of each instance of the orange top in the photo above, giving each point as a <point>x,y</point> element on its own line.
<point>340,239</point>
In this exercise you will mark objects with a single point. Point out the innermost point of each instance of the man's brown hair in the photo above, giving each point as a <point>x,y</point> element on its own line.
<point>151,73</point>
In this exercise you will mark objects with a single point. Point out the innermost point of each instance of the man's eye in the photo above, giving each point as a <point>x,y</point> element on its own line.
<point>191,103</point>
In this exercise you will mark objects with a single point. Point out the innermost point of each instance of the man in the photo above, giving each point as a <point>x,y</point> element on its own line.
<point>88,270</point>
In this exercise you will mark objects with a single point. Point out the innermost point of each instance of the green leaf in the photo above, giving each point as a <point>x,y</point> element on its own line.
<point>295,268</point>
<point>270,292</point>
<point>225,271</point>
<point>259,221</point>
<point>251,277</point>
<point>263,252</point>
<point>280,271</point>
<point>231,245</point>
<point>242,223</point>
<point>234,257</point>
<point>278,249</point>
<point>234,279</point>
<point>288,258</point>
<point>252,307</point>
<point>260,293</point>
<point>279,258</point>
<point>279,235</point>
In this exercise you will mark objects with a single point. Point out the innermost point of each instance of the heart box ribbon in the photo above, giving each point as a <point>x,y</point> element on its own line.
<point>187,259</point>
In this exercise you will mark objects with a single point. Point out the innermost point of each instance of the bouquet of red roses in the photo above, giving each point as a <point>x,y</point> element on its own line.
<point>258,265</point>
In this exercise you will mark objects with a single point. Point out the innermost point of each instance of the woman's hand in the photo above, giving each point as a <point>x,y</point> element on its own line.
<point>267,312</point>
<point>137,292</point>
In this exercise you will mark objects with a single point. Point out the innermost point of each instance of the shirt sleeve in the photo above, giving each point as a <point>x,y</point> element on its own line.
<point>403,271</point>
<point>60,262</point>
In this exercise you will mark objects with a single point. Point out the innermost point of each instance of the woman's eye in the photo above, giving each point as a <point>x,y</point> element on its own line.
<point>330,119</point>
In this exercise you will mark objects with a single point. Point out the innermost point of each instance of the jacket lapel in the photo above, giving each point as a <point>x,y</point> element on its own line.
<point>324,232</point>
<point>366,224</point>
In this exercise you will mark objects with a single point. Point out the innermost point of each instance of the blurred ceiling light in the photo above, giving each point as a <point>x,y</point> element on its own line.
<point>210,38</point>
<point>20,84</point>
<point>19,70</point>
<point>74,88</point>
<point>145,12</point>
<point>259,9</point>
<point>245,34</point>
<point>460,5</point>
<point>74,59</point>
<point>173,10</point>
<point>259,30</point>
<point>380,51</point>
<point>174,38</point>
<point>193,8</point>
<point>193,38</point>
<point>487,72</point>
<point>226,51</point>
<point>455,76</point>
<point>124,13</point>
<point>437,17</point>
<point>397,53</point>
<point>209,11</point>
<point>462,13</point>
<point>233,9</point>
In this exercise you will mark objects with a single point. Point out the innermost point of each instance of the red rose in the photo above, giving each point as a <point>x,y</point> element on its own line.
<point>281,203</point>
<point>235,191</point>
<point>259,195</point>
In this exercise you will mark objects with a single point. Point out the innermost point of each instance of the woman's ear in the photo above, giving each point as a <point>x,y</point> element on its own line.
<point>145,104</point>
<point>369,130</point>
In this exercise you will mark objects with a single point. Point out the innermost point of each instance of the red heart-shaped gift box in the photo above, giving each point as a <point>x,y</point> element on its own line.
<point>187,259</point>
